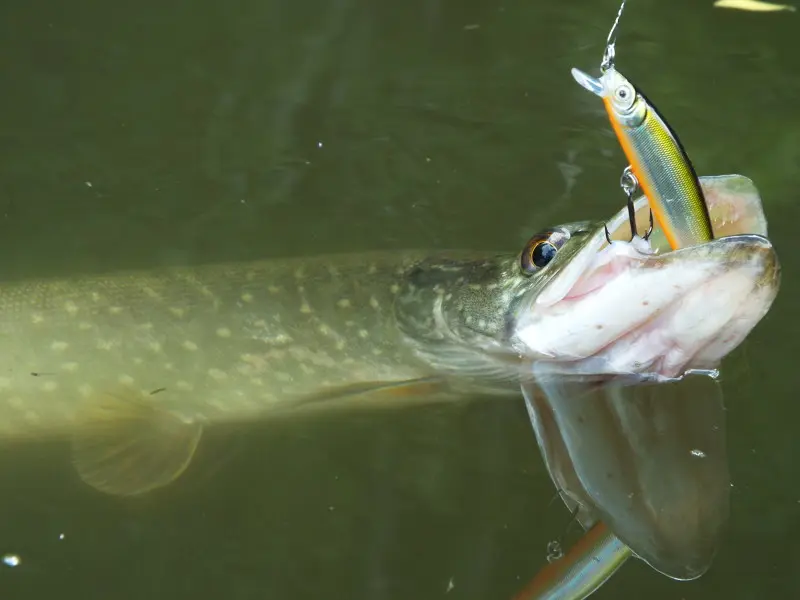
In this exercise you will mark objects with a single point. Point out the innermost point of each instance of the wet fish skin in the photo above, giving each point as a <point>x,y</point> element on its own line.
<point>219,341</point>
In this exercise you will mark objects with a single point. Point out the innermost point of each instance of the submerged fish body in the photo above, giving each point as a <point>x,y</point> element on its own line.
<point>133,366</point>
<point>209,343</point>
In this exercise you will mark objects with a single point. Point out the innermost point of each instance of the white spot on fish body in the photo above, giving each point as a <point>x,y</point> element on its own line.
<point>373,302</point>
<point>155,347</point>
<point>71,308</point>
<point>372,269</point>
<point>70,367</point>
<point>247,297</point>
<point>59,346</point>
<point>343,303</point>
<point>189,345</point>
<point>177,311</point>
<point>394,288</point>
<point>363,333</point>
<point>218,374</point>
<point>305,308</point>
<point>151,293</point>
<point>223,332</point>
<point>125,379</point>
<point>37,318</point>
<point>273,289</point>
<point>106,344</point>
<point>84,326</point>
<point>49,386</point>
<point>96,297</point>
<point>114,310</point>
<point>244,369</point>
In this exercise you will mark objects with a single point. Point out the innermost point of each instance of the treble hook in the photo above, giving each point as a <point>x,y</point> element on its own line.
<point>554,547</point>
<point>630,185</point>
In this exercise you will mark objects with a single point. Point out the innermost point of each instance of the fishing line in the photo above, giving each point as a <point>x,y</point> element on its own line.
<point>611,42</point>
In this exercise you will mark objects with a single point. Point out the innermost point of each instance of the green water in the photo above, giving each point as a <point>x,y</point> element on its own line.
<point>151,133</point>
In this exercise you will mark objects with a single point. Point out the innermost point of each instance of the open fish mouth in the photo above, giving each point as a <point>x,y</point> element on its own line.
<point>637,308</point>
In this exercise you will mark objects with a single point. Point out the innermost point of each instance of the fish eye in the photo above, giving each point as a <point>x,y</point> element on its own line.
<point>624,95</point>
<point>541,249</point>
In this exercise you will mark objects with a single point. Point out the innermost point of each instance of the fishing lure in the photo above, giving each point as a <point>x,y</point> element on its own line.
<point>659,165</point>
<point>582,571</point>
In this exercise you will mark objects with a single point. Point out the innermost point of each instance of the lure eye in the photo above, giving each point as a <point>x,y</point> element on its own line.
<point>541,249</point>
<point>624,96</point>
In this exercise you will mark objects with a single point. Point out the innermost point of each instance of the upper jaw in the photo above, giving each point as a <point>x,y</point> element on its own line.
<point>625,309</point>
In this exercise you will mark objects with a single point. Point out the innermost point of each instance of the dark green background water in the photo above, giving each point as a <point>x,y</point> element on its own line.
<point>149,133</point>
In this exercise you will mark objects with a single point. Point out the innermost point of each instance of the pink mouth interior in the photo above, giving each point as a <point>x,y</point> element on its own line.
<point>611,261</point>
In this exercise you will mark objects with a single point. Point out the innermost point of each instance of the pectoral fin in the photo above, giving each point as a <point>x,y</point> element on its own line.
<point>131,445</point>
<point>378,393</point>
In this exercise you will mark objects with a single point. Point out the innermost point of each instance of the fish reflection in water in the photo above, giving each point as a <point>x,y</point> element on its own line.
<point>648,460</point>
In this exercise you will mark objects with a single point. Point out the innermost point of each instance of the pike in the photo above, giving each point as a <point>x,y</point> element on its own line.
<point>130,369</point>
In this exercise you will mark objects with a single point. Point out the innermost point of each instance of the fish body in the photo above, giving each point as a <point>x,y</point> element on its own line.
<point>657,159</point>
<point>209,343</point>
<point>131,368</point>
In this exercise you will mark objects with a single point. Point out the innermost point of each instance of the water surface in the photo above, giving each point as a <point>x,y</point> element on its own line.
<point>144,134</point>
